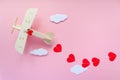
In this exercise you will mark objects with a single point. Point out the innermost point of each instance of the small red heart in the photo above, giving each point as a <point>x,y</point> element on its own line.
<point>85,63</point>
<point>112,56</point>
<point>95,61</point>
<point>58,48</point>
<point>30,32</point>
<point>71,58</point>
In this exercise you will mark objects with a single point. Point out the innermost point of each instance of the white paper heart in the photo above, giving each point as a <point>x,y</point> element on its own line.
<point>58,18</point>
<point>39,52</point>
<point>77,69</point>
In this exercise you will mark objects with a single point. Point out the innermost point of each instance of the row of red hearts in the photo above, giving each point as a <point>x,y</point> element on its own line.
<point>85,62</point>
<point>71,57</point>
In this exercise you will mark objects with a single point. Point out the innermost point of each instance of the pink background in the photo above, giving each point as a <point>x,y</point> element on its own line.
<point>92,30</point>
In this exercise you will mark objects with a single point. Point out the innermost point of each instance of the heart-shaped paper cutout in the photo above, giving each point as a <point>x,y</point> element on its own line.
<point>112,56</point>
<point>85,63</point>
<point>71,58</point>
<point>58,48</point>
<point>95,61</point>
<point>29,32</point>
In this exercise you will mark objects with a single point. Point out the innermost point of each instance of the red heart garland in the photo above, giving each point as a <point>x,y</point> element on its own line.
<point>29,32</point>
<point>95,61</point>
<point>71,58</point>
<point>57,48</point>
<point>112,56</point>
<point>85,63</point>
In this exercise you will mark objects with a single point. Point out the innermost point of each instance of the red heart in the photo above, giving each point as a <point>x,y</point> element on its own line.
<point>85,63</point>
<point>71,58</point>
<point>112,56</point>
<point>58,48</point>
<point>30,32</point>
<point>95,61</point>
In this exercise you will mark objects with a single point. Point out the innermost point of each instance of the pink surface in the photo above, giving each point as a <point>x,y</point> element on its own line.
<point>92,30</point>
